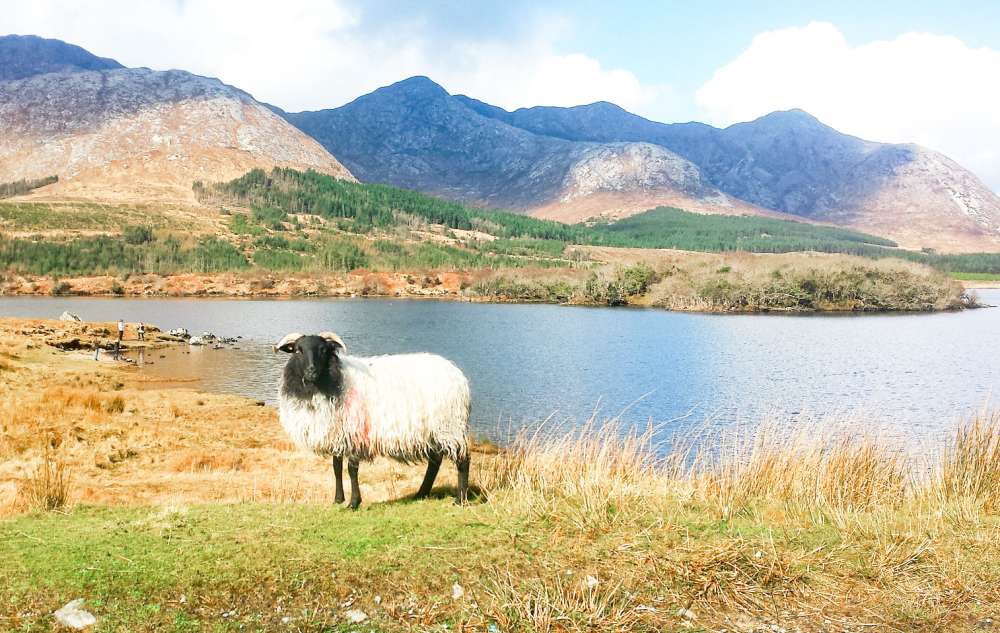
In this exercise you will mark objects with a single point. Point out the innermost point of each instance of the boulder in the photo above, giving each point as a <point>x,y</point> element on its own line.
<point>69,316</point>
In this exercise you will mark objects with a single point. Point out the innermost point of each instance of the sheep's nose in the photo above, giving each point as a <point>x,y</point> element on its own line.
<point>310,374</point>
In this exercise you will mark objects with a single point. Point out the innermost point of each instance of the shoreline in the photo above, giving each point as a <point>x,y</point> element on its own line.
<point>442,286</point>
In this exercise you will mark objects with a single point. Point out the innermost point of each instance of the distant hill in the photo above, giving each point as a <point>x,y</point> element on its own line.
<point>114,133</point>
<point>599,159</point>
<point>791,162</point>
<point>414,134</point>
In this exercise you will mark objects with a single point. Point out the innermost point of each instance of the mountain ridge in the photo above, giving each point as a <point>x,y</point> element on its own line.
<point>787,163</point>
<point>792,162</point>
<point>135,134</point>
<point>414,134</point>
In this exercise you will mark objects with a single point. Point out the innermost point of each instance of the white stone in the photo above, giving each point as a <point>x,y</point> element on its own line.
<point>355,616</point>
<point>73,616</point>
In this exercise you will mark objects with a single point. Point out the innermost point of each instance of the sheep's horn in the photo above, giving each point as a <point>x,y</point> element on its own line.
<point>333,338</point>
<point>288,340</point>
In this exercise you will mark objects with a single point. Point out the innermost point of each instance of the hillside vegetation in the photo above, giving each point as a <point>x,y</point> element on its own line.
<point>305,222</point>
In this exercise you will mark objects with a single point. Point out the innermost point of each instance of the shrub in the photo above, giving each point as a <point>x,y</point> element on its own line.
<point>48,486</point>
<point>115,405</point>
<point>342,255</point>
<point>278,260</point>
<point>61,288</point>
<point>626,283</point>
<point>138,234</point>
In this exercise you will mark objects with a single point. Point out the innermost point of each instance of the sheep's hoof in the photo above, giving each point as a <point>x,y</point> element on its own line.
<point>338,499</point>
<point>419,496</point>
<point>354,505</point>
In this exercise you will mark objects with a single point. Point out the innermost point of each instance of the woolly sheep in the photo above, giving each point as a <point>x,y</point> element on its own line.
<point>409,407</point>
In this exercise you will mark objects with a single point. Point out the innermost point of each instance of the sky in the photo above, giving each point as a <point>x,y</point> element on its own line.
<point>892,71</point>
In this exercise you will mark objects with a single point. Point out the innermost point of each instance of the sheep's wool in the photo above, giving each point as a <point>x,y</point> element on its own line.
<point>401,406</point>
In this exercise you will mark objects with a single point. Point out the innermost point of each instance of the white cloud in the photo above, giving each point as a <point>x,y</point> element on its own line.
<point>921,88</point>
<point>310,54</point>
<point>532,72</point>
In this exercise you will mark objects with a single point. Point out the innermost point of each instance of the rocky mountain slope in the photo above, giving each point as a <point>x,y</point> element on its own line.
<point>113,133</point>
<point>791,162</point>
<point>414,134</point>
<point>26,55</point>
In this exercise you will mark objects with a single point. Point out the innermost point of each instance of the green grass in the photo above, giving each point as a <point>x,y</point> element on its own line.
<point>666,227</point>
<point>249,567</point>
<point>976,276</point>
<point>48,216</point>
<point>133,565</point>
<point>114,255</point>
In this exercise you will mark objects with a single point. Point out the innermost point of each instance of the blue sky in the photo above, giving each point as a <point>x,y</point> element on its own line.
<point>892,71</point>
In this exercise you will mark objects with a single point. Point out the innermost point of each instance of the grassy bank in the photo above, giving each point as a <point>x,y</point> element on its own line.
<point>172,510</point>
<point>735,282</point>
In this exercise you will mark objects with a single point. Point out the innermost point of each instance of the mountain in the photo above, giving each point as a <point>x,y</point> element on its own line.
<point>791,162</point>
<point>26,55</point>
<point>414,134</point>
<point>115,133</point>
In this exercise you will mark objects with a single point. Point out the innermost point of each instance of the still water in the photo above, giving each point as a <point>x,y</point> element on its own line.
<point>916,375</point>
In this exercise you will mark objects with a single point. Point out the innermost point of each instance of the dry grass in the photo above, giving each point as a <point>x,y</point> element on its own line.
<point>908,544</point>
<point>129,443</point>
<point>48,486</point>
<point>829,470</point>
<point>969,468</point>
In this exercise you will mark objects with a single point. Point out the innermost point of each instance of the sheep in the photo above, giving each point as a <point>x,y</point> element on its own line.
<point>408,407</point>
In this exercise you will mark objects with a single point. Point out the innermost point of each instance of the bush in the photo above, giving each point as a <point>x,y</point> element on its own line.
<point>138,234</point>
<point>341,255</point>
<point>626,283</point>
<point>60,288</point>
<point>278,260</point>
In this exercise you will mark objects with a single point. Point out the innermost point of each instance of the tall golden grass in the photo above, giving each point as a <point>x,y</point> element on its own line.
<point>905,520</point>
<point>48,486</point>
<point>604,470</point>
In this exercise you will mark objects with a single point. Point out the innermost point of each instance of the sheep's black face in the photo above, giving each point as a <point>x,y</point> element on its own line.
<point>312,368</point>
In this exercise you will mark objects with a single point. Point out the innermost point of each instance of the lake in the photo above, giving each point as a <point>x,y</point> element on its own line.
<point>913,375</point>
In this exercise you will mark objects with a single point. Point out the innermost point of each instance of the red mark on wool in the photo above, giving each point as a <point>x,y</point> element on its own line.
<point>357,418</point>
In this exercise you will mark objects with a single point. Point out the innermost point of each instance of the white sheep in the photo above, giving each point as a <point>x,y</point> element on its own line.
<point>409,407</point>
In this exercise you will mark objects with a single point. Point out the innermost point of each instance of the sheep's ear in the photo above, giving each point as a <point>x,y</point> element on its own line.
<point>336,340</point>
<point>287,344</point>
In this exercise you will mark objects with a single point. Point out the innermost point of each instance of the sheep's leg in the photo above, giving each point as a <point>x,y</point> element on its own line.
<point>463,463</point>
<point>433,464</point>
<point>338,474</point>
<point>352,471</point>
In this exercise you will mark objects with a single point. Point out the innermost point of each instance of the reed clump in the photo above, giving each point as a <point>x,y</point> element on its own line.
<point>48,486</point>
